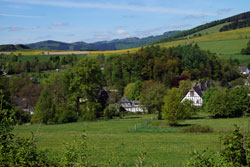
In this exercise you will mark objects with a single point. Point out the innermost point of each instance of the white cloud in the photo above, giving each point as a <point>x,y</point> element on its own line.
<point>121,32</point>
<point>12,28</point>
<point>14,15</point>
<point>138,8</point>
<point>60,24</point>
<point>18,28</point>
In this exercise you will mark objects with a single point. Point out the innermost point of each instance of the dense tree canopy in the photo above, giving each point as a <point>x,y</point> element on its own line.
<point>168,66</point>
<point>226,103</point>
<point>152,95</point>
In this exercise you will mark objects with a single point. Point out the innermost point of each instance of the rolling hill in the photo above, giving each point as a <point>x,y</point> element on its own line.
<point>7,48</point>
<point>225,44</point>
<point>116,44</point>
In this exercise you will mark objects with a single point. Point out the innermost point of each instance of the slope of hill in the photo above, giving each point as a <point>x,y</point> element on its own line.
<point>240,17</point>
<point>13,47</point>
<point>227,44</point>
<point>116,44</point>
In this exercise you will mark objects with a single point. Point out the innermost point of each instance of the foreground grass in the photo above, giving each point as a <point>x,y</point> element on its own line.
<point>124,139</point>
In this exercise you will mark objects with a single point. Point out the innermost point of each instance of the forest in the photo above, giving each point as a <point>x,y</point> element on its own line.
<point>80,92</point>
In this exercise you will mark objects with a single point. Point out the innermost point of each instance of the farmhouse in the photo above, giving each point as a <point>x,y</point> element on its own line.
<point>196,92</point>
<point>131,106</point>
<point>243,70</point>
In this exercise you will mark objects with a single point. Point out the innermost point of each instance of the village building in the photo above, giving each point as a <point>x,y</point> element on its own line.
<point>243,70</point>
<point>196,92</point>
<point>131,106</point>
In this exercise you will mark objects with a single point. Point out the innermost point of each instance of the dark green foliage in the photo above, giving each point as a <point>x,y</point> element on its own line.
<point>236,147</point>
<point>224,103</point>
<point>73,96</point>
<point>133,90</point>
<point>218,104</point>
<point>173,110</point>
<point>198,129</point>
<point>208,94</point>
<point>15,151</point>
<point>236,25</point>
<point>16,66</point>
<point>189,108</point>
<point>83,84</point>
<point>152,96</point>
<point>246,51</point>
<point>76,154</point>
<point>68,116</point>
<point>167,66</point>
<point>13,47</point>
<point>235,152</point>
<point>237,82</point>
<point>110,111</point>
<point>207,159</point>
<point>239,101</point>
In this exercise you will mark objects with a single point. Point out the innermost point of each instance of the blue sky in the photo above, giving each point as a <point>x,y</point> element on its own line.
<point>27,21</point>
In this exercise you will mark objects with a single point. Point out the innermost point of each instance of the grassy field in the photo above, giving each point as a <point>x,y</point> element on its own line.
<point>164,145</point>
<point>210,30</point>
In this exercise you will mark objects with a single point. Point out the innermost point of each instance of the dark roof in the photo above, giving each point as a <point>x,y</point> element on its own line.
<point>198,90</point>
<point>125,100</point>
<point>201,88</point>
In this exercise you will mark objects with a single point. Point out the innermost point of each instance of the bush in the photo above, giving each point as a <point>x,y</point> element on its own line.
<point>198,128</point>
<point>235,153</point>
<point>173,110</point>
<point>68,116</point>
<point>109,112</point>
<point>207,159</point>
<point>228,103</point>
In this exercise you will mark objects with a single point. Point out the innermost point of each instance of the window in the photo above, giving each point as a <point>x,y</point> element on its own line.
<point>192,93</point>
<point>197,102</point>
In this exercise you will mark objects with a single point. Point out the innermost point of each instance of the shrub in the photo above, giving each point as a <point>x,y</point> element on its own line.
<point>198,128</point>
<point>68,116</point>
<point>109,112</point>
<point>173,110</point>
<point>235,153</point>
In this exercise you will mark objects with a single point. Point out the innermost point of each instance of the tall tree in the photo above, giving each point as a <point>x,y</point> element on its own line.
<point>83,83</point>
<point>152,96</point>
<point>173,110</point>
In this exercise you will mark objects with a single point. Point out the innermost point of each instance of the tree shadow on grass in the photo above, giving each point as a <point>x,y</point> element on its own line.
<point>181,125</point>
<point>131,117</point>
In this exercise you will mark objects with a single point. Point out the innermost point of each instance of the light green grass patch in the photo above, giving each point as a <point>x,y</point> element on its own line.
<point>233,46</point>
<point>168,147</point>
<point>243,59</point>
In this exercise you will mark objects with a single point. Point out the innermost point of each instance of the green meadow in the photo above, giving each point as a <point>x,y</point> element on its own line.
<point>124,139</point>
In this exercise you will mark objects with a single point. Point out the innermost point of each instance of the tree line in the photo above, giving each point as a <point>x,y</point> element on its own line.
<point>13,65</point>
<point>236,25</point>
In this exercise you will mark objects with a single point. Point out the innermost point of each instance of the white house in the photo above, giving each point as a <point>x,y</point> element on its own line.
<point>131,106</point>
<point>243,70</point>
<point>196,92</point>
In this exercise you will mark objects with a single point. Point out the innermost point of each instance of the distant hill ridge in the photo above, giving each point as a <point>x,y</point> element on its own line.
<point>116,44</point>
<point>7,48</point>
